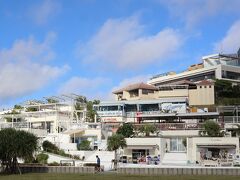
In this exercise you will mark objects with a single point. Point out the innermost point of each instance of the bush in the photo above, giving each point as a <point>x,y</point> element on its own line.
<point>42,158</point>
<point>54,164</point>
<point>61,153</point>
<point>90,164</point>
<point>212,129</point>
<point>49,147</point>
<point>76,157</point>
<point>84,145</point>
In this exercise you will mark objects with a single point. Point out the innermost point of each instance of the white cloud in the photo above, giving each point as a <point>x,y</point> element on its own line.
<point>231,42</point>
<point>93,88</point>
<point>89,87</point>
<point>41,13</point>
<point>193,12</point>
<point>23,67</point>
<point>122,44</point>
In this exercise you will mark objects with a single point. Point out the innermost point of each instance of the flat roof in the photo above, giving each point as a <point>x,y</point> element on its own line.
<point>182,75</point>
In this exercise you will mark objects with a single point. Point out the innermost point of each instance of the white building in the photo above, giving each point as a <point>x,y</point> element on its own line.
<point>217,66</point>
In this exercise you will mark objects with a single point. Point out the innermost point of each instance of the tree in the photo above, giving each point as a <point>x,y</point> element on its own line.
<point>126,130</point>
<point>31,109</point>
<point>16,144</point>
<point>212,129</point>
<point>226,93</point>
<point>84,145</point>
<point>52,101</point>
<point>147,129</point>
<point>114,142</point>
<point>16,106</point>
<point>80,102</point>
<point>91,113</point>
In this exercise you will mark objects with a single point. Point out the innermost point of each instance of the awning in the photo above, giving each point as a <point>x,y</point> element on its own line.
<point>75,132</point>
<point>141,147</point>
<point>218,146</point>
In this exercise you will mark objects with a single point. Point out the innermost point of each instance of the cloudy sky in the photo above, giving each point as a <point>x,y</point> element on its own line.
<point>91,47</point>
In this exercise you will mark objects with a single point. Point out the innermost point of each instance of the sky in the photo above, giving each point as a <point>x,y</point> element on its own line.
<point>92,47</point>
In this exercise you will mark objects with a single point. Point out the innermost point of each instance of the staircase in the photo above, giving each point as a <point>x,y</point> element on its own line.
<point>175,159</point>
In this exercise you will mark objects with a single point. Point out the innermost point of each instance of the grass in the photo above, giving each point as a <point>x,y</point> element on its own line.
<point>46,176</point>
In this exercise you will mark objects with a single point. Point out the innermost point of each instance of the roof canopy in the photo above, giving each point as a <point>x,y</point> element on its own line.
<point>135,87</point>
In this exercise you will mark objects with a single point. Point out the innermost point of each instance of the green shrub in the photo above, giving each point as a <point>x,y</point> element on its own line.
<point>84,145</point>
<point>54,164</point>
<point>212,129</point>
<point>90,164</point>
<point>42,158</point>
<point>126,130</point>
<point>49,147</point>
<point>61,153</point>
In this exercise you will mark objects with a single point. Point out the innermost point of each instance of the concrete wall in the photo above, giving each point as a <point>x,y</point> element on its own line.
<point>203,95</point>
<point>57,169</point>
<point>231,171</point>
<point>173,93</point>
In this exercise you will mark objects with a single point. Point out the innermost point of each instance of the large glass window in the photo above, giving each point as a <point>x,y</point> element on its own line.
<point>177,145</point>
<point>131,108</point>
<point>149,107</point>
<point>138,153</point>
<point>230,75</point>
<point>108,108</point>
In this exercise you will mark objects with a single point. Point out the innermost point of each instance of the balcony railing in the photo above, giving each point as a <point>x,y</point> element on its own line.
<point>180,126</point>
<point>232,119</point>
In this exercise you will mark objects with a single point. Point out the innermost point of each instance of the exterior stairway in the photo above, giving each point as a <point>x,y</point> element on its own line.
<point>174,159</point>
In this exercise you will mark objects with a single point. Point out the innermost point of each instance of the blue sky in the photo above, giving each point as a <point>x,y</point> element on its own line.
<point>91,47</point>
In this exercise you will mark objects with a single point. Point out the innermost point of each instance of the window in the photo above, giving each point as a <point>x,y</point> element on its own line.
<point>200,86</point>
<point>147,91</point>
<point>210,86</point>
<point>176,145</point>
<point>131,108</point>
<point>133,93</point>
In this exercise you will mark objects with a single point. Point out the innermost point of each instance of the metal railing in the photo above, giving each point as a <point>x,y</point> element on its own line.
<point>231,119</point>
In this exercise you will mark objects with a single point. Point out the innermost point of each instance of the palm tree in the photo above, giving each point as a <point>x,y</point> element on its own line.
<point>114,142</point>
<point>16,144</point>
